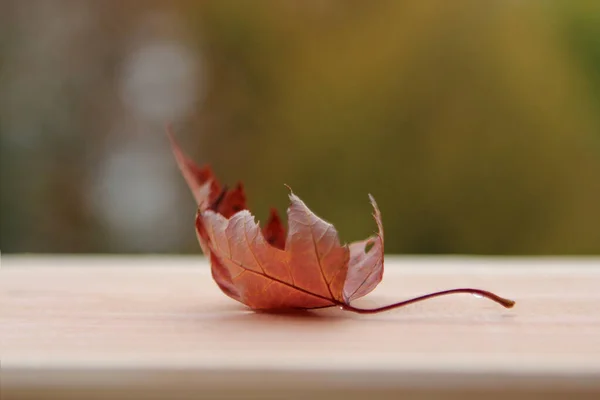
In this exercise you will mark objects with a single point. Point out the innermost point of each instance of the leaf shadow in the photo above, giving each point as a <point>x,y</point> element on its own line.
<point>238,314</point>
<point>468,319</point>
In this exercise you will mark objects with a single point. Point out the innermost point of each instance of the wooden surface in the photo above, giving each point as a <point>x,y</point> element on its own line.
<point>150,327</point>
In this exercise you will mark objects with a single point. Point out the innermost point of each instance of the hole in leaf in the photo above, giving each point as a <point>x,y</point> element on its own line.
<point>369,246</point>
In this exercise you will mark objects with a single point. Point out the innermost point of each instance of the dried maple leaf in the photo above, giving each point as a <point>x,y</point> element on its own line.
<point>269,269</point>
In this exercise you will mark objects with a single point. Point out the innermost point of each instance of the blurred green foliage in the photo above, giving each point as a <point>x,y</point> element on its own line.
<point>475,125</point>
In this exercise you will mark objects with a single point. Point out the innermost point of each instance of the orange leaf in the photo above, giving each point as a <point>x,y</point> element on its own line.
<point>270,270</point>
<point>309,273</point>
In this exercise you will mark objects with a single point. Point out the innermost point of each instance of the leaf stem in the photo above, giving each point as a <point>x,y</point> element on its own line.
<point>476,292</point>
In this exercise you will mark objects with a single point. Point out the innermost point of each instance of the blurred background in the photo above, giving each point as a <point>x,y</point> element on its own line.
<point>475,124</point>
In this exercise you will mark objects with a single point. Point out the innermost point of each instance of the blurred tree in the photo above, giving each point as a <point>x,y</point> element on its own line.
<point>474,124</point>
<point>464,121</point>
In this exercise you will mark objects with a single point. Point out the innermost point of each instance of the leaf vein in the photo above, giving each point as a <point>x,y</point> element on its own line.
<point>332,299</point>
<point>250,248</point>
<point>312,235</point>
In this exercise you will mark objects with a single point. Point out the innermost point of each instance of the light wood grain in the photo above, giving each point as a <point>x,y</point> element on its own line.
<point>99,327</point>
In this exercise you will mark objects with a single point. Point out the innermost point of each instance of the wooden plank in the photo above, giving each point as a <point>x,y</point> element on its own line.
<point>99,327</point>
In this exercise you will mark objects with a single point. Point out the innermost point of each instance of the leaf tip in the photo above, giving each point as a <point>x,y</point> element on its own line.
<point>372,199</point>
<point>169,132</point>
<point>292,196</point>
